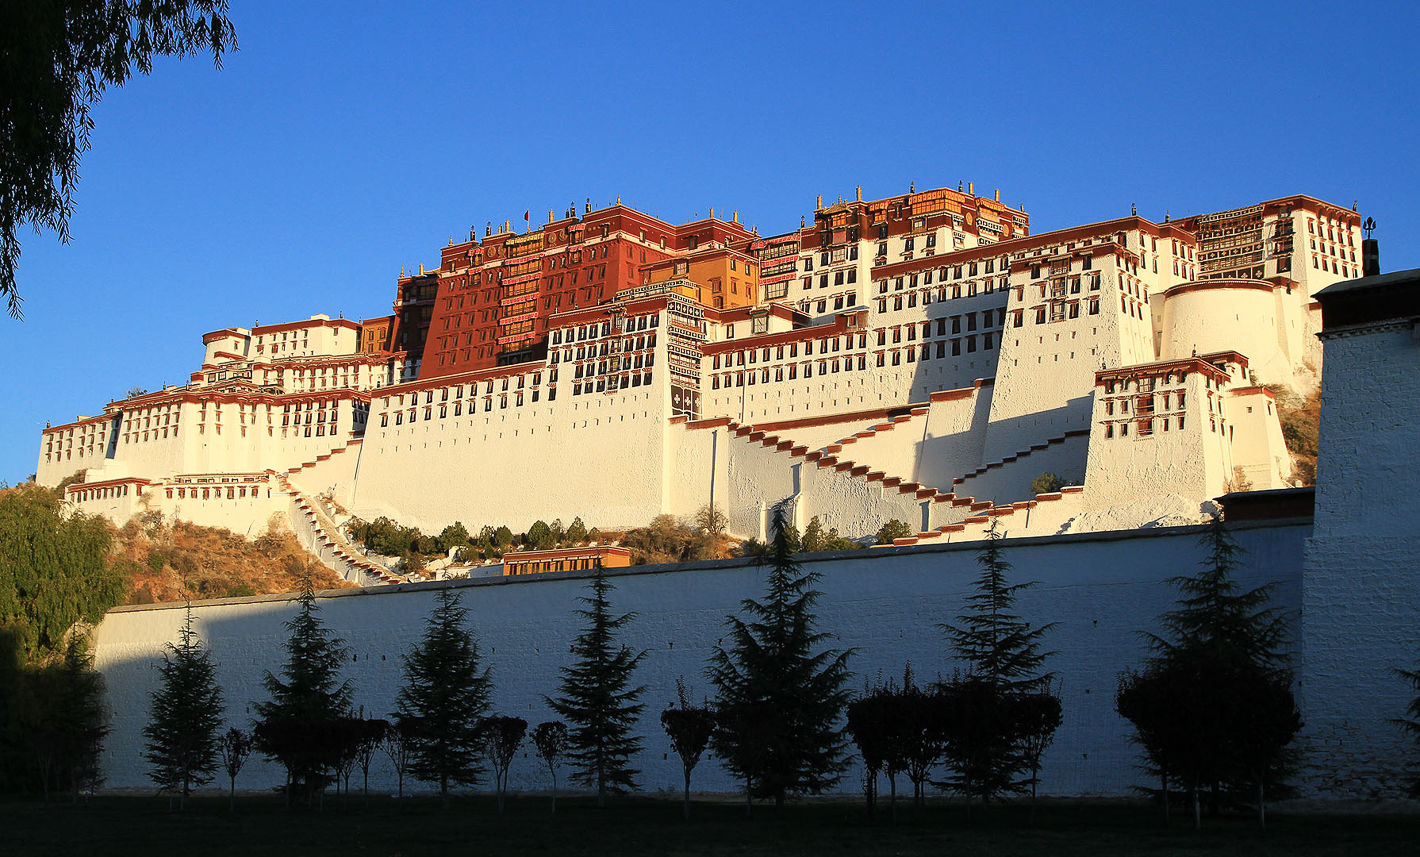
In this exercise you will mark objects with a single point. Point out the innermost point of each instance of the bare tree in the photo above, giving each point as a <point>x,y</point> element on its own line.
<point>550,738</point>
<point>233,748</point>
<point>689,727</point>
<point>502,736</point>
<point>399,746</point>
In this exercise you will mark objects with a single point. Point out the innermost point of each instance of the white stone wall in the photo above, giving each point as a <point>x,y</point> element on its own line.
<point>885,603</point>
<point>1361,607</point>
<point>596,455</point>
<point>1259,452</point>
<point>1256,319</point>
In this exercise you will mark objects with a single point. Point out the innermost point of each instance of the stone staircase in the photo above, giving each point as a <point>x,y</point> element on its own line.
<point>977,523</point>
<point>350,445</point>
<point>1025,453</point>
<point>975,514</point>
<point>315,528</point>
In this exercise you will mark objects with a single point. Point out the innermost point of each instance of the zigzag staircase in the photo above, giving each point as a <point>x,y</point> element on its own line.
<point>978,513</point>
<point>327,544</point>
<point>1035,447</point>
<point>350,444</point>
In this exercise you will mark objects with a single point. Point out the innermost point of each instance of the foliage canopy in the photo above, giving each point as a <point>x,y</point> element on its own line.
<point>59,59</point>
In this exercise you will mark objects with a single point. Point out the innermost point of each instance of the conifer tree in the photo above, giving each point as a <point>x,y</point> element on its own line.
<point>1216,615</point>
<point>1214,706</point>
<point>989,713</point>
<point>184,717</point>
<point>598,700</point>
<point>781,697</point>
<point>814,538</point>
<point>293,727</point>
<point>74,720</point>
<point>444,697</point>
<point>1001,648</point>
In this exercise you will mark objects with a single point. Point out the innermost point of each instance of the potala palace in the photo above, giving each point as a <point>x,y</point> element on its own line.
<point>922,357</point>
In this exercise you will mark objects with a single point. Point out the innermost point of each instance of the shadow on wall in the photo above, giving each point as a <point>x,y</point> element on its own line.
<point>886,603</point>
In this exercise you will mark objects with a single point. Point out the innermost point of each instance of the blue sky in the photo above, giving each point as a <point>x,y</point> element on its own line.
<point>345,140</point>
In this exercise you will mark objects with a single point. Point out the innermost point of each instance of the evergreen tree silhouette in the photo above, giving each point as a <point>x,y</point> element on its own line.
<point>597,698</point>
<point>443,698</point>
<point>184,717</point>
<point>781,697</point>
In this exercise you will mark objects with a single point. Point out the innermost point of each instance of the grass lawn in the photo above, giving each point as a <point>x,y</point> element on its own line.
<point>645,825</point>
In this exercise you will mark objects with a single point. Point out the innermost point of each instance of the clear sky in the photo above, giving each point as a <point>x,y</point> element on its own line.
<point>345,140</point>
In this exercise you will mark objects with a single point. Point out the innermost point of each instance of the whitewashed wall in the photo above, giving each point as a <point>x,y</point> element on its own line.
<point>885,603</point>
<point>1361,609</point>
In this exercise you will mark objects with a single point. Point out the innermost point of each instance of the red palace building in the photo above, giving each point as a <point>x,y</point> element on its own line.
<point>490,302</point>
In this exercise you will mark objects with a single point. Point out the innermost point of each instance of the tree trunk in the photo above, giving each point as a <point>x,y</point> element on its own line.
<point>686,807</point>
<point>1164,790</point>
<point>444,790</point>
<point>892,796</point>
<point>232,796</point>
<point>1261,804</point>
<point>554,792</point>
<point>1034,776</point>
<point>1197,809</point>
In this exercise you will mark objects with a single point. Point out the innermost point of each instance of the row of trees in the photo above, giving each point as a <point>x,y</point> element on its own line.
<point>386,537</point>
<point>775,722</point>
<point>989,725</point>
<point>1212,707</point>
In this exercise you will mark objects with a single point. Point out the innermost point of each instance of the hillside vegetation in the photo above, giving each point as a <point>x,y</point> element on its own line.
<point>1300,417</point>
<point>177,561</point>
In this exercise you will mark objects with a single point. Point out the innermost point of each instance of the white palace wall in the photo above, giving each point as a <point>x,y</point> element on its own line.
<point>1102,589</point>
<point>1361,609</point>
<point>598,456</point>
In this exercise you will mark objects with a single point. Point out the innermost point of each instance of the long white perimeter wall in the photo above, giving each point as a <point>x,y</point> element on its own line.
<point>1102,589</point>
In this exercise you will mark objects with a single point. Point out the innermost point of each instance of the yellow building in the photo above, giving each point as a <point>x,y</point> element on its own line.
<point>718,277</point>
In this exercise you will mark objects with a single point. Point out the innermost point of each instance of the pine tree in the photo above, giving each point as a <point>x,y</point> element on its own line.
<point>184,717</point>
<point>68,739</point>
<point>444,696</point>
<point>992,715</point>
<point>1215,615</point>
<point>781,697</point>
<point>1214,706</point>
<point>294,726</point>
<point>1001,648</point>
<point>598,701</point>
